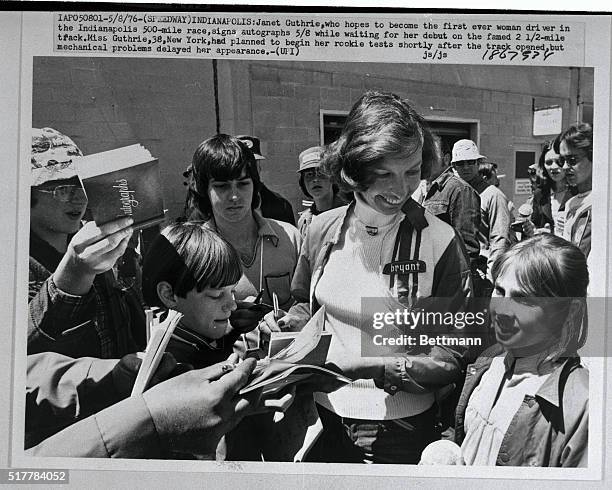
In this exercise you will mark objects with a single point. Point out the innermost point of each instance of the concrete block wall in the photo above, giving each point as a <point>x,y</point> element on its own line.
<point>286,99</point>
<point>167,105</point>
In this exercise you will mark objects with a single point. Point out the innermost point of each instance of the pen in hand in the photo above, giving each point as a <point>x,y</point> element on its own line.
<point>275,304</point>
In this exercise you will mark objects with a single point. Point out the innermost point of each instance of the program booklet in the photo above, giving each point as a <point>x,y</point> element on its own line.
<point>123,182</point>
<point>294,357</point>
<point>156,346</point>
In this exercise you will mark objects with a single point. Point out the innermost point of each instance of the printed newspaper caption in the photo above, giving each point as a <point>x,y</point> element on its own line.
<point>406,38</point>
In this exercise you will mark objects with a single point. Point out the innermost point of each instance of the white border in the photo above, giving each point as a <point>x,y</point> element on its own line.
<point>40,23</point>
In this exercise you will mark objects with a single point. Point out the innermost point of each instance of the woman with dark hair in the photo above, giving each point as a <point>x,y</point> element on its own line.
<point>317,186</point>
<point>525,400</point>
<point>357,251</point>
<point>576,150</point>
<point>553,191</point>
<point>223,191</point>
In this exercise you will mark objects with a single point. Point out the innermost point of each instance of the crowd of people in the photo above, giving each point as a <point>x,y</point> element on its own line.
<point>397,215</point>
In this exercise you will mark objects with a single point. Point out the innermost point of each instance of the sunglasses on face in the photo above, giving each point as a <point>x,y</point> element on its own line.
<point>66,193</point>
<point>552,162</point>
<point>464,163</point>
<point>571,160</point>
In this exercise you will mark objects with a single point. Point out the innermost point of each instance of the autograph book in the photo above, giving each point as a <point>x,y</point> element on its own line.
<point>123,182</point>
<point>294,357</point>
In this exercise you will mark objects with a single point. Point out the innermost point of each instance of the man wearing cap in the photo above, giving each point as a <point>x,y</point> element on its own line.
<point>273,205</point>
<point>76,307</point>
<point>453,200</point>
<point>315,185</point>
<point>494,234</point>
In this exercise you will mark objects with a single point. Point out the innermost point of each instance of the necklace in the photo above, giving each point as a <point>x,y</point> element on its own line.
<point>248,257</point>
<point>246,252</point>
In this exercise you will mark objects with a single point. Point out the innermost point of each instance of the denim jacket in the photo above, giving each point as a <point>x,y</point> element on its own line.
<point>550,428</point>
<point>456,203</point>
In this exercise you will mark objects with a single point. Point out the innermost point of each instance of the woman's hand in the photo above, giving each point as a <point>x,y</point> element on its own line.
<point>92,251</point>
<point>286,321</point>
<point>246,316</point>
<point>359,367</point>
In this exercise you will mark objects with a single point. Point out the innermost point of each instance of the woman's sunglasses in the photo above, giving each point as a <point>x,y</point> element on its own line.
<point>66,193</point>
<point>572,160</point>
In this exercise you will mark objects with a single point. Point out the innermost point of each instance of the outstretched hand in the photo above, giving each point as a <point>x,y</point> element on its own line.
<point>192,411</point>
<point>92,250</point>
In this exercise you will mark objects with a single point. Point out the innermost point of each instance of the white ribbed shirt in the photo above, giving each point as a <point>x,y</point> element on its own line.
<point>354,271</point>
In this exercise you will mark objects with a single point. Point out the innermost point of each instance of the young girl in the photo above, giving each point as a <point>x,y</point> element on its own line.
<point>525,401</point>
<point>192,270</point>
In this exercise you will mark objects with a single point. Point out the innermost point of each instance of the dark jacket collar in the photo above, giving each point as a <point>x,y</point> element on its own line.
<point>441,180</point>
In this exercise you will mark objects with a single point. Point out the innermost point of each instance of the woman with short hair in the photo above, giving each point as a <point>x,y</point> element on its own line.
<point>354,252</point>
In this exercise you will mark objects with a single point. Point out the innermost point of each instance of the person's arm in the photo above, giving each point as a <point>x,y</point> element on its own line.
<point>575,407</point>
<point>61,390</point>
<point>66,301</point>
<point>465,218</point>
<point>576,450</point>
<point>436,366</point>
<point>499,228</point>
<point>188,413</point>
<point>54,314</point>
<point>124,430</point>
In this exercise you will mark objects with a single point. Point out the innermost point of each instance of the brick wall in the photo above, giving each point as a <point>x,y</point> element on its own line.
<point>102,103</point>
<point>168,106</point>
<point>285,100</point>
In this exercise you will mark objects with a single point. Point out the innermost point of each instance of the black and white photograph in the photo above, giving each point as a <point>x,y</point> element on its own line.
<point>309,247</point>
